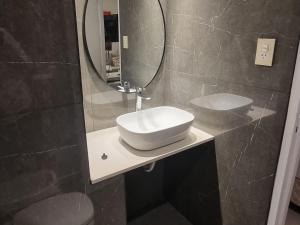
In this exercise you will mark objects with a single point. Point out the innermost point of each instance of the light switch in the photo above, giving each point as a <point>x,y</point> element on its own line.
<point>125,42</point>
<point>265,51</point>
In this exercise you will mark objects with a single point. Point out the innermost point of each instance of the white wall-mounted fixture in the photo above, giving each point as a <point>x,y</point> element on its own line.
<point>265,51</point>
<point>125,42</point>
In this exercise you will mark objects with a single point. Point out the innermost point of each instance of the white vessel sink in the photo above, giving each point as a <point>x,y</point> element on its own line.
<point>156,127</point>
<point>222,102</point>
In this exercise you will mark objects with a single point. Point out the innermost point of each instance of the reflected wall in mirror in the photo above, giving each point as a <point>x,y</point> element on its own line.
<point>125,41</point>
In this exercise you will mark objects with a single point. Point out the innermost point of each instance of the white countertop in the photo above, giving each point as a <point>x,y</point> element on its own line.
<point>123,158</point>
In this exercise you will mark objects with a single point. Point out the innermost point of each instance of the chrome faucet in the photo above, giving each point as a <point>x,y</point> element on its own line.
<point>139,98</point>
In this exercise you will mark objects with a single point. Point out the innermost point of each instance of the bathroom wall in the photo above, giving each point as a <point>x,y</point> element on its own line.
<point>42,134</point>
<point>211,49</point>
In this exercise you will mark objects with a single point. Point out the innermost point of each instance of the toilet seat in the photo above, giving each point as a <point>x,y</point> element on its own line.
<point>66,209</point>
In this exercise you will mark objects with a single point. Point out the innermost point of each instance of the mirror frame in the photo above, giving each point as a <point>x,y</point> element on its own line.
<point>90,58</point>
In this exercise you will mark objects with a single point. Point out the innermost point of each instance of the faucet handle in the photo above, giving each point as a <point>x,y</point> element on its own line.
<point>140,90</point>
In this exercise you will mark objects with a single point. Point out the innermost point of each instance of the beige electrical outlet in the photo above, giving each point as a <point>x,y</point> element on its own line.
<point>125,42</point>
<point>265,51</point>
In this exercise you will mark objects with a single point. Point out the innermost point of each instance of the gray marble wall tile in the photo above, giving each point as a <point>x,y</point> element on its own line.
<point>211,49</point>
<point>34,31</point>
<point>260,17</point>
<point>35,86</point>
<point>109,201</point>
<point>183,88</point>
<point>42,134</point>
<point>40,150</point>
<point>247,150</point>
<point>227,52</point>
<point>247,161</point>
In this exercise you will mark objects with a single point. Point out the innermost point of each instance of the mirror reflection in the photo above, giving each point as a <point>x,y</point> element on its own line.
<point>112,44</point>
<point>125,41</point>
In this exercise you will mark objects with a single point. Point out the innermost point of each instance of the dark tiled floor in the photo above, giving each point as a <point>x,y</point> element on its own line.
<point>293,218</point>
<point>162,215</point>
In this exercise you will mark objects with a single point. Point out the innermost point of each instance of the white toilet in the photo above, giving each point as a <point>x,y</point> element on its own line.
<point>65,209</point>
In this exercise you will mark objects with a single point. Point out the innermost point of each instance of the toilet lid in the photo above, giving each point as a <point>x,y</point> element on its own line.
<point>70,209</point>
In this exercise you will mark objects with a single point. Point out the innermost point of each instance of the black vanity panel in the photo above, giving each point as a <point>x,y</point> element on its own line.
<point>144,191</point>
<point>187,181</point>
<point>191,185</point>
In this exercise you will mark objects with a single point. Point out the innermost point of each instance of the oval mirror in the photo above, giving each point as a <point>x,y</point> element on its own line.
<point>124,41</point>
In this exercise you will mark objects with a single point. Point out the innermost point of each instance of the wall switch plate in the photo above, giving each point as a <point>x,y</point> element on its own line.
<point>265,51</point>
<point>125,42</point>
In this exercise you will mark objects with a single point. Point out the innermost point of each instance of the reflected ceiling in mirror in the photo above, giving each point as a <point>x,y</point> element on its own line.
<point>124,41</point>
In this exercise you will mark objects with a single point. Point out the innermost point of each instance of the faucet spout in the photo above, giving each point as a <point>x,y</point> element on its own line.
<point>139,98</point>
